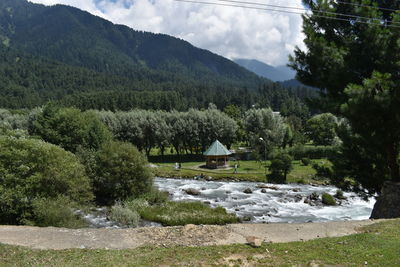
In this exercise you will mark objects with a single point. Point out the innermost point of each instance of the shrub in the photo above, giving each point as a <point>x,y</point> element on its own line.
<point>32,169</point>
<point>324,169</point>
<point>313,152</point>
<point>120,172</point>
<point>124,215</point>
<point>328,199</point>
<point>305,161</point>
<point>57,212</point>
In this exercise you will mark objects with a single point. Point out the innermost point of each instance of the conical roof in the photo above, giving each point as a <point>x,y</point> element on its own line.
<point>217,149</point>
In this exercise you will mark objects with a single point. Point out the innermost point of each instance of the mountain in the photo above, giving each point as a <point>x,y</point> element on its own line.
<point>69,56</point>
<point>276,74</point>
<point>75,37</point>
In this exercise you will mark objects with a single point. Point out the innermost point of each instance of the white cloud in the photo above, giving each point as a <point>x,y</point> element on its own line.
<point>228,31</point>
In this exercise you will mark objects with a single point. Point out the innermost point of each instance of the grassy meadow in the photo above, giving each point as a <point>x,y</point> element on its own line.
<point>249,170</point>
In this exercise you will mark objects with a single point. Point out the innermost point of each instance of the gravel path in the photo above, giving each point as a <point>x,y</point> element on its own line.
<point>189,235</point>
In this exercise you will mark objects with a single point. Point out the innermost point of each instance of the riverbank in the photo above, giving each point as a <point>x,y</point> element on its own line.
<point>250,170</point>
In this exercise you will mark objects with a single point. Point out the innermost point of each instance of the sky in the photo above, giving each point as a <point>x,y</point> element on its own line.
<point>228,31</point>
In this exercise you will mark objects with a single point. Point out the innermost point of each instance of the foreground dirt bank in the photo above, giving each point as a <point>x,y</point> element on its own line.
<point>189,235</point>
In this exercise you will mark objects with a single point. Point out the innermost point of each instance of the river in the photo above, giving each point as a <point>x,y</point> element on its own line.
<point>279,203</point>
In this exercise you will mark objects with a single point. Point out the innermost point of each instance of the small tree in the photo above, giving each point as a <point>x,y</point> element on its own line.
<point>280,166</point>
<point>120,172</point>
<point>321,129</point>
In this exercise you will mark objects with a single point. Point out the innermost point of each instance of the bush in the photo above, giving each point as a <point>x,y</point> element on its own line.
<point>182,213</point>
<point>120,173</point>
<point>328,199</point>
<point>313,152</point>
<point>32,169</point>
<point>324,169</point>
<point>124,215</point>
<point>280,166</point>
<point>57,212</point>
<point>305,161</point>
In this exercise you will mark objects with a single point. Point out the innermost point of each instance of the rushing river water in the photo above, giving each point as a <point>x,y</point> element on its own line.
<point>280,203</point>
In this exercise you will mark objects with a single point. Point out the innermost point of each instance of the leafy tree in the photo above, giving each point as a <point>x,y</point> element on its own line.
<point>31,169</point>
<point>321,129</point>
<point>120,172</point>
<point>265,124</point>
<point>356,62</point>
<point>280,166</point>
<point>70,128</point>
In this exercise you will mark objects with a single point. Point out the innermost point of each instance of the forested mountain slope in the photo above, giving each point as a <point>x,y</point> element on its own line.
<point>67,55</point>
<point>76,37</point>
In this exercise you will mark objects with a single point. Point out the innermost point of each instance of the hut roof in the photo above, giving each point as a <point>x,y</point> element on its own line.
<point>217,149</point>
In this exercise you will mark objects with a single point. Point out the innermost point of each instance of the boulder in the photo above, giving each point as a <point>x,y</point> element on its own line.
<point>267,187</point>
<point>247,191</point>
<point>192,191</point>
<point>263,190</point>
<point>254,241</point>
<point>388,203</point>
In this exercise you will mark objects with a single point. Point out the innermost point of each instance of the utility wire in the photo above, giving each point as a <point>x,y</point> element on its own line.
<point>393,25</point>
<point>302,9</point>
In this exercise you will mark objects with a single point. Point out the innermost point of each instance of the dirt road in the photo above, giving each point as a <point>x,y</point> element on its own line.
<point>189,235</point>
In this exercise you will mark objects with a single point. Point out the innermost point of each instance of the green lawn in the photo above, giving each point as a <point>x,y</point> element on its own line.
<point>248,171</point>
<point>378,245</point>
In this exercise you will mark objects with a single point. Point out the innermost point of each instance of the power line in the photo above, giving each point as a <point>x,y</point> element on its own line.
<point>302,9</point>
<point>395,25</point>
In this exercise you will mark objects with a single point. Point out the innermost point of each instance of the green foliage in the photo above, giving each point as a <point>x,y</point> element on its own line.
<point>265,124</point>
<point>182,213</point>
<point>324,169</point>
<point>321,129</point>
<point>56,212</point>
<point>31,169</point>
<point>120,172</point>
<point>70,128</point>
<point>360,75</point>
<point>124,215</point>
<point>192,131</point>
<point>305,161</point>
<point>313,152</point>
<point>280,166</point>
<point>328,199</point>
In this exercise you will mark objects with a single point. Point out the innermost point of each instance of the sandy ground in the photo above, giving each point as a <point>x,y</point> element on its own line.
<point>189,235</point>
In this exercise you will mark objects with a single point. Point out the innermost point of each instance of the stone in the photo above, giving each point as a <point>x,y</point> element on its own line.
<point>254,241</point>
<point>248,191</point>
<point>192,191</point>
<point>267,187</point>
<point>388,203</point>
<point>263,190</point>
<point>298,198</point>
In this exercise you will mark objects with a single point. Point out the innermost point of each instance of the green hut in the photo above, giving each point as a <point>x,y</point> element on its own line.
<point>217,156</point>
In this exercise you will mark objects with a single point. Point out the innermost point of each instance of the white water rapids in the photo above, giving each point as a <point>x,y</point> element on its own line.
<point>285,204</point>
